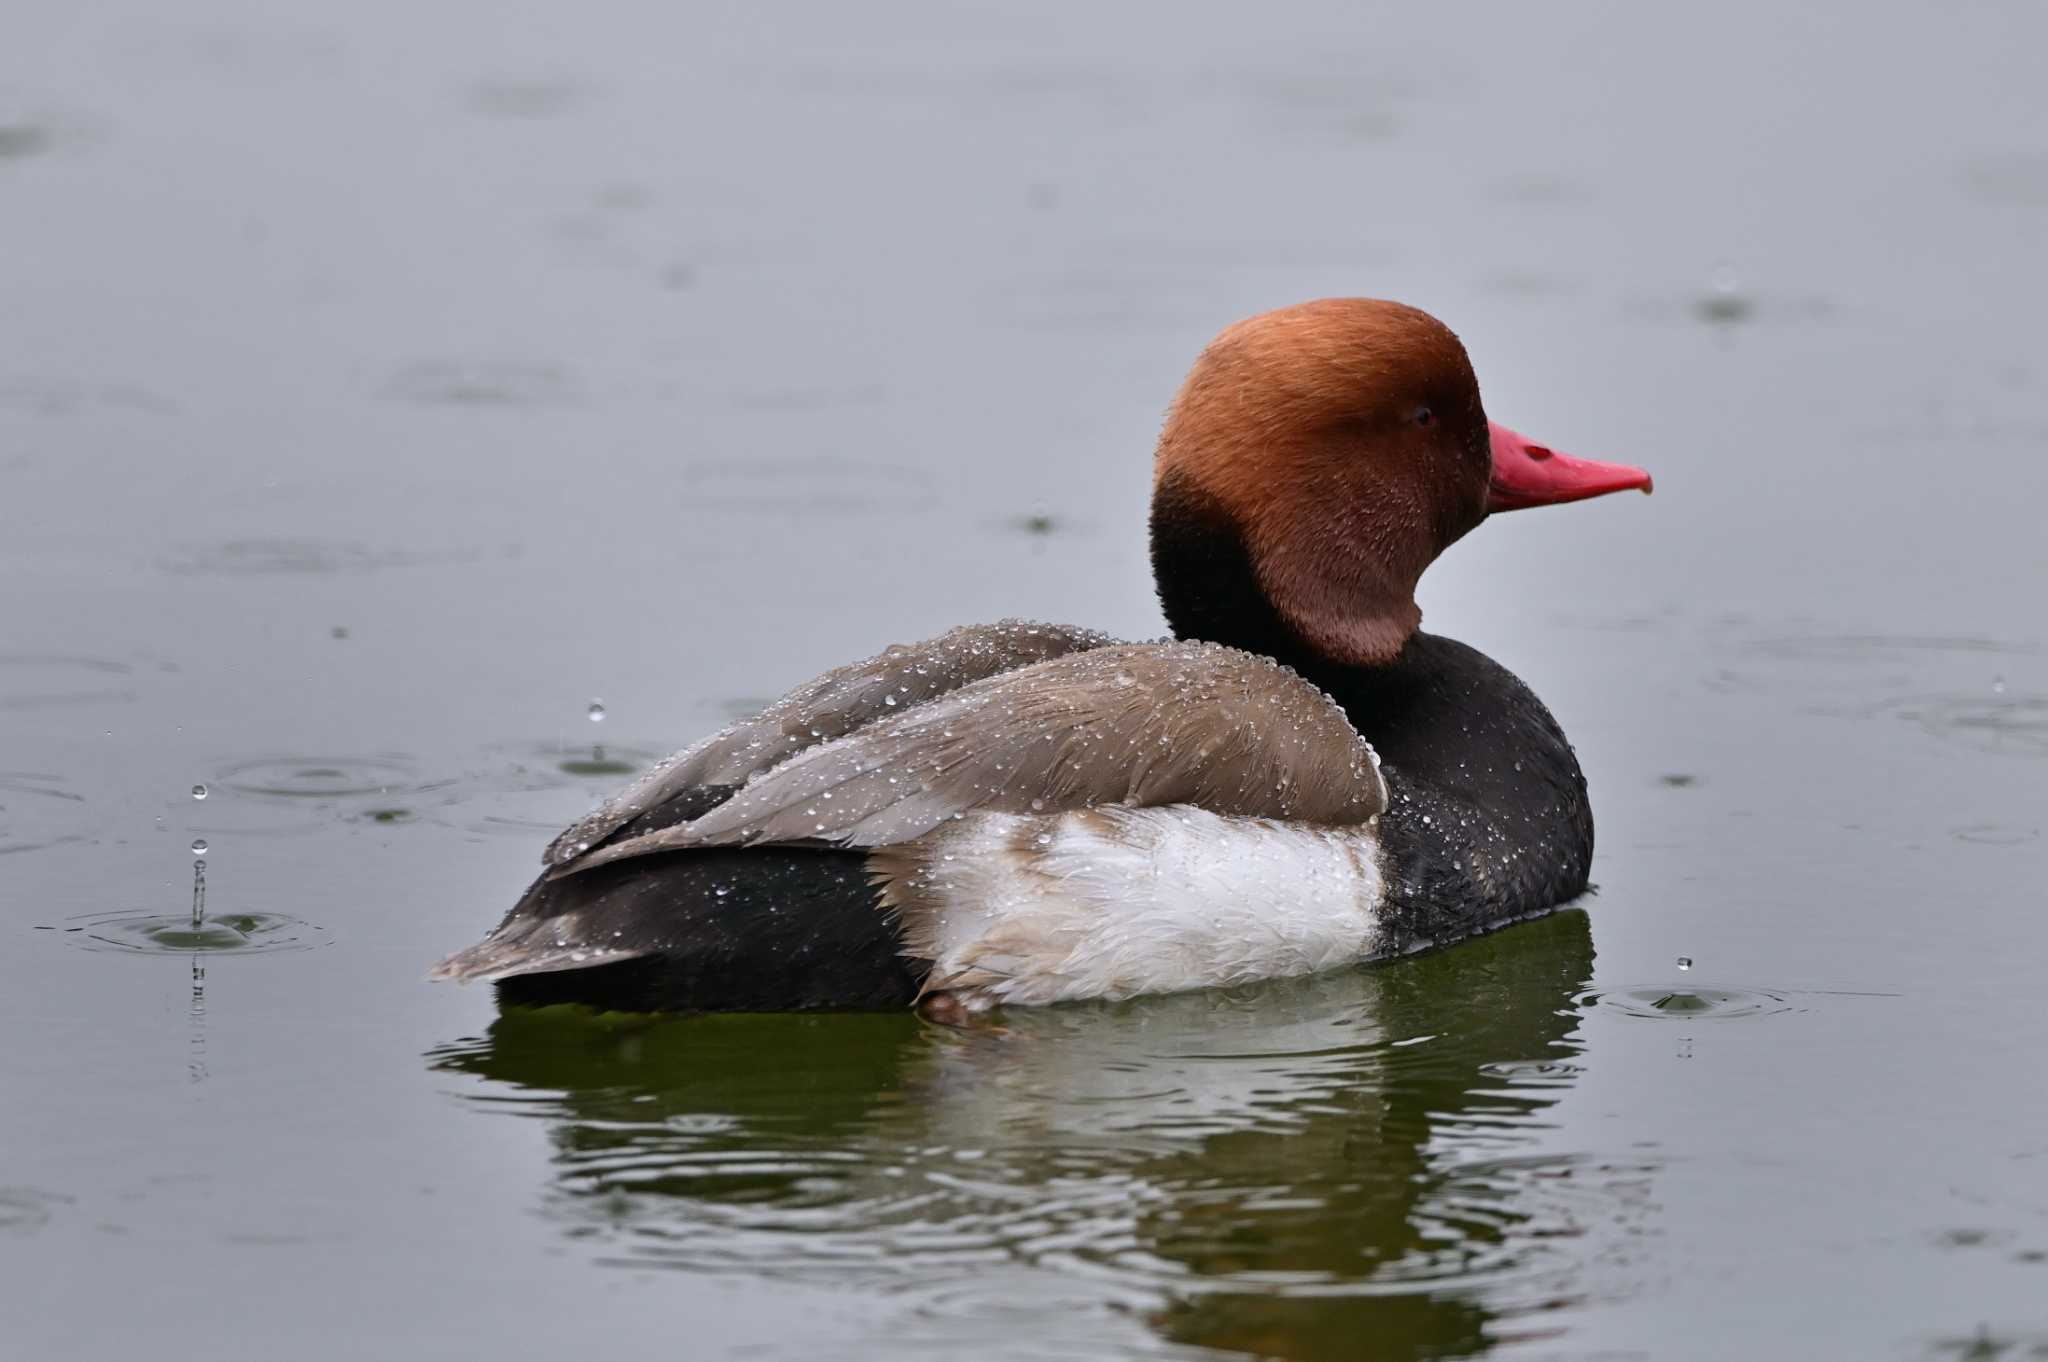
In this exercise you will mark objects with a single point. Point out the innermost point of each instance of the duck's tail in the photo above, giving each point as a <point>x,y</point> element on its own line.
<point>768,929</point>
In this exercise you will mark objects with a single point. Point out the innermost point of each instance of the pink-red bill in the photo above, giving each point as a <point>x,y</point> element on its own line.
<point>1528,474</point>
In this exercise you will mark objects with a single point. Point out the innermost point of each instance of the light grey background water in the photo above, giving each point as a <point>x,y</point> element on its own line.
<point>380,386</point>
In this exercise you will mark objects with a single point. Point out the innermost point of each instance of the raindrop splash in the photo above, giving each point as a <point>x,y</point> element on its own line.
<point>1724,303</point>
<point>1687,1003</point>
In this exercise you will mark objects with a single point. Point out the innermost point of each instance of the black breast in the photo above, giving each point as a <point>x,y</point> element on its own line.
<point>1489,820</point>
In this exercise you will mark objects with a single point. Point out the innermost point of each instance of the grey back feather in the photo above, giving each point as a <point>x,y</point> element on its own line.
<point>830,706</point>
<point>1133,724</point>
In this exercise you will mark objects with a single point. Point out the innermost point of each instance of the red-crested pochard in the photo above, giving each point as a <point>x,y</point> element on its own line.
<point>1031,813</point>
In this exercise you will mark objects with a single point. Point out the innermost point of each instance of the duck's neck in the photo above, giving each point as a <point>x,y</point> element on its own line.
<point>1209,590</point>
<point>1490,820</point>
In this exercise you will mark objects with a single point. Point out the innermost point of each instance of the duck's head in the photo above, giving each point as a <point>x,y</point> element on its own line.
<point>1317,459</point>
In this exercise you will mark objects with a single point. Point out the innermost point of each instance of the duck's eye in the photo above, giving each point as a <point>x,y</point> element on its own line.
<point>1424,416</point>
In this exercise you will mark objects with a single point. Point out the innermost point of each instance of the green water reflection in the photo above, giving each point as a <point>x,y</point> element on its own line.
<point>1289,1170</point>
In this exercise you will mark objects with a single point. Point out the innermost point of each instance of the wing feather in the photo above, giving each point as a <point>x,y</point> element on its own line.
<point>842,701</point>
<point>1130,724</point>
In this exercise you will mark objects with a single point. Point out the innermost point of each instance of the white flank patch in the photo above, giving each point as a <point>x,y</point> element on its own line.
<point>1113,902</point>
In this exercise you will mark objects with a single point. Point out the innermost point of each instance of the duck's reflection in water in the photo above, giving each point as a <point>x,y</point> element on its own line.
<point>1357,1164</point>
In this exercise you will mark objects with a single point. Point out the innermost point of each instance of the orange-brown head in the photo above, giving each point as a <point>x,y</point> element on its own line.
<point>1322,456</point>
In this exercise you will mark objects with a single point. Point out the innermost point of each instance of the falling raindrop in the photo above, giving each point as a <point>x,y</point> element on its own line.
<point>198,846</point>
<point>596,711</point>
<point>1685,962</point>
<point>200,792</point>
<point>1998,685</point>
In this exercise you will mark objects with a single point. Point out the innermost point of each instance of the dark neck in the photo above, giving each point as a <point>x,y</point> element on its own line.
<point>1466,744</point>
<point>1207,588</point>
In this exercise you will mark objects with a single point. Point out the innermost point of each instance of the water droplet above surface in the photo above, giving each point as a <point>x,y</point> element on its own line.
<point>198,846</point>
<point>199,792</point>
<point>596,711</point>
<point>1685,962</point>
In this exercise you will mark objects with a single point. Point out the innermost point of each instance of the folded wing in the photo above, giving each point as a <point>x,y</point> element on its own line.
<point>843,700</point>
<point>1129,724</point>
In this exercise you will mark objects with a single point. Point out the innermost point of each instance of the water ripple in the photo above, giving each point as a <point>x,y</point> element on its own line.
<point>1862,649</point>
<point>323,778</point>
<point>291,557</point>
<point>526,765</point>
<point>2001,724</point>
<point>1686,1002</point>
<point>24,1210</point>
<point>61,681</point>
<point>177,934</point>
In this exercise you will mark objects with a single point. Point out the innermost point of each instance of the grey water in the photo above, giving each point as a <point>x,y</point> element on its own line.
<point>387,392</point>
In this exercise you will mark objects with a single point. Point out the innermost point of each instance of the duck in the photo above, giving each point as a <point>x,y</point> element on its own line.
<point>1297,779</point>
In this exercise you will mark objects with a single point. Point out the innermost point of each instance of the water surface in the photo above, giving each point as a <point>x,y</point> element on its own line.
<point>382,389</point>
